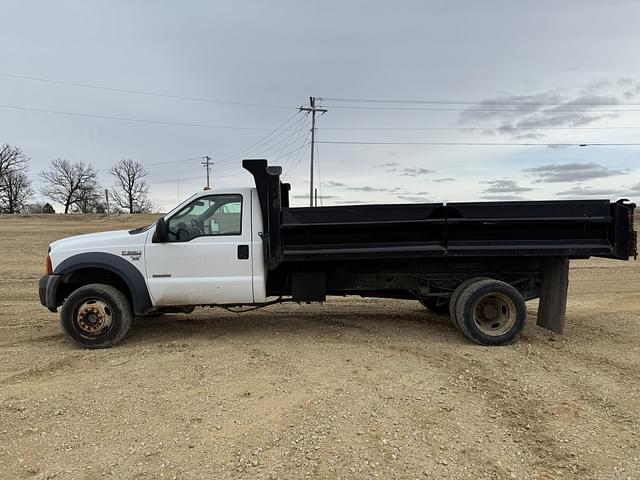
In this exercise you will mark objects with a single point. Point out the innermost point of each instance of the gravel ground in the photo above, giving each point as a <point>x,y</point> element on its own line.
<point>354,388</point>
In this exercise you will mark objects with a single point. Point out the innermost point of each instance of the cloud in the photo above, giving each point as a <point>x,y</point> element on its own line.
<point>350,202</point>
<point>442,180</point>
<point>581,190</point>
<point>414,172</point>
<point>368,188</point>
<point>629,94</point>
<point>395,167</point>
<point>502,197</point>
<point>331,183</point>
<point>588,191</point>
<point>364,188</point>
<point>524,117</point>
<point>306,197</point>
<point>571,172</point>
<point>414,198</point>
<point>505,186</point>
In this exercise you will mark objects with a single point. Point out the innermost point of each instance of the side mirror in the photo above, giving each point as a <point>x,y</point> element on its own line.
<point>162,231</point>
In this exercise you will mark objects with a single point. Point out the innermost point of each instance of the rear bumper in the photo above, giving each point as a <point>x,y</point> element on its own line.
<point>47,290</point>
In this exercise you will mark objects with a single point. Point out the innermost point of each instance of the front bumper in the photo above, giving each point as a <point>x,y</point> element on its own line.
<point>47,291</point>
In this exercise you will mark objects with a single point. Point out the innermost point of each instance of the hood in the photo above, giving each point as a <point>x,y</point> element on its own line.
<point>98,241</point>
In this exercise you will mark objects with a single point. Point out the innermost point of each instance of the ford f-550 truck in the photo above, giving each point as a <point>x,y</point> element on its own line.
<point>233,247</point>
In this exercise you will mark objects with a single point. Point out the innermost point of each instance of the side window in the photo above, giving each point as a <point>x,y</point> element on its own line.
<point>207,216</point>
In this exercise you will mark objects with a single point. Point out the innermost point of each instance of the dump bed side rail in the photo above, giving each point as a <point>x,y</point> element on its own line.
<point>563,228</point>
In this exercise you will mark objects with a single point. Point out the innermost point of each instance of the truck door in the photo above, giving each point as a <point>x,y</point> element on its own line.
<point>207,258</point>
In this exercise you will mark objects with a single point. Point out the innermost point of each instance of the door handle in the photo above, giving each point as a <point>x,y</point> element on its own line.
<point>243,252</point>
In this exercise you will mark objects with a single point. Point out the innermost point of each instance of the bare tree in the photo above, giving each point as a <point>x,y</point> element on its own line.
<point>11,158</point>
<point>67,183</point>
<point>88,199</point>
<point>15,190</point>
<point>130,189</point>
<point>15,186</point>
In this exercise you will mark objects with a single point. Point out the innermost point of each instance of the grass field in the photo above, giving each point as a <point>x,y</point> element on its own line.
<point>354,388</point>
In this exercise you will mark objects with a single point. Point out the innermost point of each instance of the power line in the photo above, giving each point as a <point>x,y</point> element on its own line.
<point>273,134</point>
<point>184,160</point>
<point>127,119</point>
<point>472,129</point>
<point>284,143</point>
<point>139,92</point>
<point>290,152</point>
<point>290,141</point>
<point>491,144</point>
<point>302,135</point>
<point>262,140</point>
<point>298,158</point>
<point>481,109</point>
<point>478,102</point>
<point>167,164</point>
<point>173,179</point>
<point>282,130</point>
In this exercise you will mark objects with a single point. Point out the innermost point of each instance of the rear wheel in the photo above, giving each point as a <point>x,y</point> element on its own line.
<point>96,316</point>
<point>491,312</point>
<point>435,305</point>
<point>456,295</point>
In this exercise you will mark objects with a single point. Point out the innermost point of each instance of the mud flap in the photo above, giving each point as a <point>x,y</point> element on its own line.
<point>554,280</point>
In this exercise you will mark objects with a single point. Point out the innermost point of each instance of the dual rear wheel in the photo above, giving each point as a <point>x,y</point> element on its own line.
<point>487,311</point>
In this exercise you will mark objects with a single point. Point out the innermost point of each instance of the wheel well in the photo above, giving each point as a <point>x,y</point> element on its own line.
<point>85,276</point>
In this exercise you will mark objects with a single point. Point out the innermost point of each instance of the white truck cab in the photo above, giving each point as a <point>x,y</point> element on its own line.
<point>213,254</point>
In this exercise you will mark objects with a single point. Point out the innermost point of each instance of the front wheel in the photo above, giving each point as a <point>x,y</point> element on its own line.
<point>491,312</point>
<point>96,316</point>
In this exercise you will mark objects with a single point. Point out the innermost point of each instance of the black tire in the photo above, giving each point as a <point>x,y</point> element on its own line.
<point>453,301</point>
<point>431,304</point>
<point>96,316</point>
<point>491,312</point>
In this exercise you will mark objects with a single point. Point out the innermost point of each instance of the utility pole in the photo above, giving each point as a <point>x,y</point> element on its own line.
<point>313,108</point>
<point>106,194</point>
<point>206,161</point>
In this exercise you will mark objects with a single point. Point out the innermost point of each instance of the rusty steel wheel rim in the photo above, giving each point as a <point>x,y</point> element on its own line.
<point>494,314</point>
<point>93,318</point>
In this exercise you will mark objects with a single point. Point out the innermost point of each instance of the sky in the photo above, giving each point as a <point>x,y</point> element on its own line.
<point>427,101</point>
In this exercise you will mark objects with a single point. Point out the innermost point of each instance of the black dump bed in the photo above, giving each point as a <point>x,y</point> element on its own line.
<point>569,228</point>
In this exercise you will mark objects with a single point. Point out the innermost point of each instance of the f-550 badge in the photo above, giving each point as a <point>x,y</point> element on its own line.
<point>134,255</point>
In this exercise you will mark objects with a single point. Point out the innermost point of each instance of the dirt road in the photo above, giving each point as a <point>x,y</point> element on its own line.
<point>350,389</point>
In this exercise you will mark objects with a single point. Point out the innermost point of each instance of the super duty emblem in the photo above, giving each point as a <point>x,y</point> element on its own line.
<point>133,254</point>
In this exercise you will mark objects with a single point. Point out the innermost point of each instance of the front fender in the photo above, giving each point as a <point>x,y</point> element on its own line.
<point>130,275</point>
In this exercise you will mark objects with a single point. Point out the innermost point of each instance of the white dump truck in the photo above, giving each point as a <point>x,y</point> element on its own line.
<point>232,247</point>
